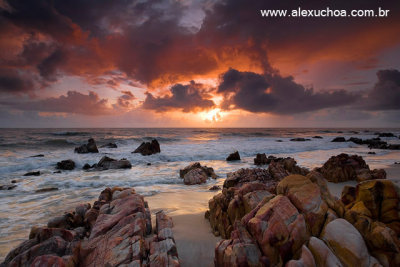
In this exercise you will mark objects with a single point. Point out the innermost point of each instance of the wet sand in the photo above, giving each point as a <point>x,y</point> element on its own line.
<point>192,232</point>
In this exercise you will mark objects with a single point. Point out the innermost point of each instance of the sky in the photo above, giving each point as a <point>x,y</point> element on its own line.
<point>197,63</point>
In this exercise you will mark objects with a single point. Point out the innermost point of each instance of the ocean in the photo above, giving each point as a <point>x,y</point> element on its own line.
<point>22,207</point>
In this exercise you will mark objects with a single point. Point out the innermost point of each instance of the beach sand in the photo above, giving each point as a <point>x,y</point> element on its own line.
<point>192,232</point>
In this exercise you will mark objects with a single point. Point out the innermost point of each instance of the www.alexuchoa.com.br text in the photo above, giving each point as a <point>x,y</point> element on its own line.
<point>327,12</point>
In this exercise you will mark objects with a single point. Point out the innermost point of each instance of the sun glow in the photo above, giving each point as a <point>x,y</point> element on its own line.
<point>213,115</point>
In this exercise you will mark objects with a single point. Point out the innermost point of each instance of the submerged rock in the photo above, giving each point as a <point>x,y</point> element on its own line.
<point>339,139</point>
<point>107,163</point>
<point>47,189</point>
<point>66,165</point>
<point>37,156</point>
<point>300,139</point>
<point>233,156</point>
<point>109,145</point>
<point>90,147</point>
<point>37,173</point>
<point>7,186</point>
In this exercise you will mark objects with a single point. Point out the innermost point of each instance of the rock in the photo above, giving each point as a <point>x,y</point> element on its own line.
<point>279,141</point>
<point>163,221</point>
<point>109,145</point>
<point>47,189</point>
<point>348,194</point>
<point>343,168</point>
<point>299,139</point>
<point>208,170</point>
<point>306,259</point>
<point>86,166</point>
<point>323,256</point>
<point>306,197</point>
<point>48,260</point>
<point>371,153</point>
<point>347,243</point>
<point>214,188</point>
<point>339,139</point>
<point>37,173</point>
<point>317,137</point>
<point>234,156</point>
<point>107,163</point>
<point>261,159</point>
<point>57,172</point>
<point>90,147</point>
<point>356,140</point>
<point>37,156</point>
<point>148,148</point>
<point>7,186</point>
<point>14,181</point>
<point>195,176</point>
<point>241,250</point>
<point>66,165</point>
<point>279,229</point>
<point>242,176</point>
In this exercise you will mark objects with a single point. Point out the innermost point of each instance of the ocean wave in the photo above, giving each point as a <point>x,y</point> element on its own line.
<point>250,134</point>
<point>58,143</point>
<point>158,138</point>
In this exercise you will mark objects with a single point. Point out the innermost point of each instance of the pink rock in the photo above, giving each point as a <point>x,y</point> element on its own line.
<point>195,176</point>
<point>48,261</point>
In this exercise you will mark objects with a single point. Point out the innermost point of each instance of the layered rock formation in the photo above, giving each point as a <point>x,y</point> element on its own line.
<point>243,190</point>
<point>115,231</point>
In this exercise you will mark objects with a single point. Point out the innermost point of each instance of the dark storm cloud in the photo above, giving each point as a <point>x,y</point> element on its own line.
<point>14,82</point>
<point>275,94</point>
<point>386,93</point>
<point>184,97</point>
<point>48,67</point>
<point>73,102</point>
<point>125,100</point>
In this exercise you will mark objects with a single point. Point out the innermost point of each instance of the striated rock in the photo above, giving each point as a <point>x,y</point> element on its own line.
<point>242,176</point>
<point>343,168</point>
<point>107,163</point>
<point>347,244</point>
<point>280,230</point>
<point>148,148</point>
<point>90,147</point>
<point>339,139</point>
<point>110,145</point>
<point>119,226</point>
<point>66,165</point>
<point>233,156</point>
<point>306,197</point>
<point>37,173</point>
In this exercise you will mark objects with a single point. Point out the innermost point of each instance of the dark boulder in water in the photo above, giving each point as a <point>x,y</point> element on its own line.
<point>148,148</point>
<point>317,137</point>
<point>300,139</point>
<point>7,186</point>
<point>86,166</point>
<point>339,139</point>
<point>107,163</point>
<point>32,173</point>
<point>37,156</point>
<point>66,165</point>
<point>234,156</point>
<point>356,140</point>
<point>90,147</point>
<point>109,145</point>
<point>214,188</point>
<point>386,135</point>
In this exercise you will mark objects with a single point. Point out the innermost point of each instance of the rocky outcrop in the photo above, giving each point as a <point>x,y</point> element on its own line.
<point>243,191</point>
<point>386,135</point>
<point>375,143</point>
<point>34,173</point>
<point>90,147</point>
<point>233,156</point>
<point>66,165</point>
<point>115,231</point>
<point>7,186</point>
<point>196,174</point>
<point>148,148</point>
<point>304,225</point>
<point>262,159</point>
<point>343,168</point>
